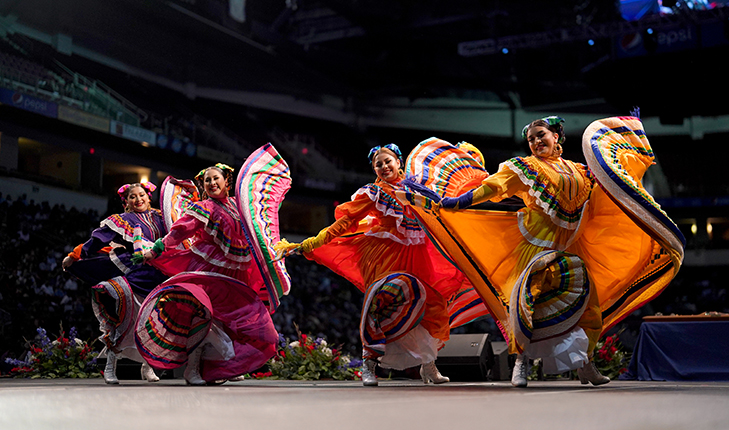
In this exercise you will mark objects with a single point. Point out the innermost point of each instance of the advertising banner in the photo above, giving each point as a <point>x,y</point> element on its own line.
<point>131,132</point>
<point>29,103</point>
<point>84,119</point>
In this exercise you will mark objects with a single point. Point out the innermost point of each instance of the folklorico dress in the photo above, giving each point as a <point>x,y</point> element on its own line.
<point>381,249</point>
<point>218,292</point>
<point>119,286</point>
<point>559,273</point>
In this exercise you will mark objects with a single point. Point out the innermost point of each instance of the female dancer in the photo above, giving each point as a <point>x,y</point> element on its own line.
<point>380,248</point>
<point>577,259</point>
<point>104,261</point>
<point>211,312</point>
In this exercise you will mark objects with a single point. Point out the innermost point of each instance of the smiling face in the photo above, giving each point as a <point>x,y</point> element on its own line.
<point>215,183</point>
<point>137,200</point>
<point>386,166</point>
<point>542,141</point>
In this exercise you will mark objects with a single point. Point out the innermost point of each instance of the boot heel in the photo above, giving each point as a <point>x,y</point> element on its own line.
<point>148,373</point>
<point>581,376</point>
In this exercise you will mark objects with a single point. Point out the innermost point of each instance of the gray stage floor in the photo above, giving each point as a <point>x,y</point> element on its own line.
<point>272,405</point>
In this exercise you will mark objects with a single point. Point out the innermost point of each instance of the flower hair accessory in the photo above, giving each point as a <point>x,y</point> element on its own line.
<point>223,167</point>
<point>391,146</point>
<point>124,189</point>
<point>551,120</point>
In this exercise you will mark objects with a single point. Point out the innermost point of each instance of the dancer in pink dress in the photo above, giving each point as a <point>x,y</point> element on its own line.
<point>213,313</point>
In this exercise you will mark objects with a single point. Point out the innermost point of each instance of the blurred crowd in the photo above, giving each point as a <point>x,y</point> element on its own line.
<point>34,289</point>
<point>36,292</point>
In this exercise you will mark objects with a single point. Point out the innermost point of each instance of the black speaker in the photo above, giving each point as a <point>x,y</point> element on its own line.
<point>466,357</point>
<point>503,362</point>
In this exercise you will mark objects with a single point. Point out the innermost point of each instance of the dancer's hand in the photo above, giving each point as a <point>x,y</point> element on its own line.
<point>413,198</point>
<point>157,249</point>
<point>461,202</point>
<point>67,262</point>
<point>284,248</point>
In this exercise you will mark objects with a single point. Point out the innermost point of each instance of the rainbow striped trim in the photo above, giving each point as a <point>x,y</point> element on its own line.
<point>393,306</point>
<point>550,203</point>
<point>175,197</point>
<point>439,165</point>
<point>603,143</point>
<point>263,181</point>
<point>387,204</point>
<point>536,317</point>
<point>465,306</point>
<point>114,323</point>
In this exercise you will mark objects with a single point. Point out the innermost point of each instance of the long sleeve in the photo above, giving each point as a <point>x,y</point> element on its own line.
<point>100,238</point>
<point>499,186</point>
<point>348,216</point>
<point>184,228</point>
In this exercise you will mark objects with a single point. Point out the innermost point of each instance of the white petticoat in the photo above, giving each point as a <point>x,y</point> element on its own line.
<point>562,353</point>
<point>413,349</point>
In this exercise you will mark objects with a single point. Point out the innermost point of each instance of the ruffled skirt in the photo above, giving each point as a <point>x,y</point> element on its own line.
<point>210,310</point>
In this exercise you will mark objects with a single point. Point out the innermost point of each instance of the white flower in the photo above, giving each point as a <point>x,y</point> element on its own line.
<point>323,343</point>
<point>294,344</point>
<point>344,359</point>
<point>327,352</point>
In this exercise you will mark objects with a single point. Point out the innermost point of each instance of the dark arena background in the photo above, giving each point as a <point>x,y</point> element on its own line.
<point>96,94</point>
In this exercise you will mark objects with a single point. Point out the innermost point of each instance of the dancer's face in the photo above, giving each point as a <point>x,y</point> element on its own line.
<point>138,200</point>
<point>386,166</point>
<point>216,186</point>
<point>542,141</point>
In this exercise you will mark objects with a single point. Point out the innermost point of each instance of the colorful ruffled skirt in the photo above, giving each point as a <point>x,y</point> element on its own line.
<point>210,310</point>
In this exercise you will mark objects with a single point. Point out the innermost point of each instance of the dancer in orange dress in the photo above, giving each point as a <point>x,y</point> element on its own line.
<point>378,246</point>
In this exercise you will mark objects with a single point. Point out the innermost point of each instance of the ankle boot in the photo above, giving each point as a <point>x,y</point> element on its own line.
<point>368,373</point>
<point>519,375</point>
<point>148,373</point>
<point>237,378</point>
<point>430,373</point>
<point>589,373</point>
<point>110,368</point>
<point>192,371</point>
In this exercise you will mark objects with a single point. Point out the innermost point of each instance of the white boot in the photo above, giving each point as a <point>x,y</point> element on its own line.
<point>520,373</point>
<point>589,373</point>
<point>110,369</point>
<point>148,373</point>
<point>237,378</point>
<point>430,373</point>
<point>192,371</point>
<point>368,373</point>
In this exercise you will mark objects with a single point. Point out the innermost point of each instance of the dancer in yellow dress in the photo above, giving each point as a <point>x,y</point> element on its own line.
<point>577,259</point>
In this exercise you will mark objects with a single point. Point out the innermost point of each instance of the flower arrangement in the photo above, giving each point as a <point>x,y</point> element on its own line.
<point>610,358</point>
<point>310,358</point>
<point>65,357</point>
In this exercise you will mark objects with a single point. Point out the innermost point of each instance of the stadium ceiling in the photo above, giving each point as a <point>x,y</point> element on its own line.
<point>351,60</point>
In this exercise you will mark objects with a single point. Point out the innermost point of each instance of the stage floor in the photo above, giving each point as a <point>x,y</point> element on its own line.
<point>402,404</point>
